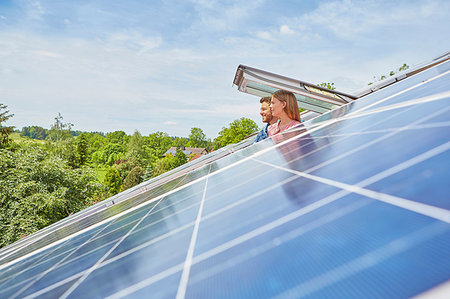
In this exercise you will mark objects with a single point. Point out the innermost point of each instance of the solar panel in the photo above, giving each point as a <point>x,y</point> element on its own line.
<point>353,203</point>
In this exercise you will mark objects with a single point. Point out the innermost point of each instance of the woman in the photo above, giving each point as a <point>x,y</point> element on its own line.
<point>284,106</point>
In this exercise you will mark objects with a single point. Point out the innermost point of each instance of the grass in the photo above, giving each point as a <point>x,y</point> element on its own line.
<point>21,139</point>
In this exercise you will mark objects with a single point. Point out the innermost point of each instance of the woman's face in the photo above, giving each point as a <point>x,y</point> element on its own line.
<point>277,107</point>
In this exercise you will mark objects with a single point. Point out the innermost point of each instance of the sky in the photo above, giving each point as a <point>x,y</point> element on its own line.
<point>108,65</point>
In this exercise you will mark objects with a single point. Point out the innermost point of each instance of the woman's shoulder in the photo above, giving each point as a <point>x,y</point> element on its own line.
<point>291,124</point>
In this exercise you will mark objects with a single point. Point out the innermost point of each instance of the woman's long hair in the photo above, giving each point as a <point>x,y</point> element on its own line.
<point>291,107</point>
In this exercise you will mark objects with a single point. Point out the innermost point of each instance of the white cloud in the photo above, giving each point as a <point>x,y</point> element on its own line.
<point>133,40</point>
<point>170,123</point>
<point>284,29</point>
<point>264,35</point>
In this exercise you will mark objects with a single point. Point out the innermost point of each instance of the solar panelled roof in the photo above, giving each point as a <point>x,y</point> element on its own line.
<point>353,203</point>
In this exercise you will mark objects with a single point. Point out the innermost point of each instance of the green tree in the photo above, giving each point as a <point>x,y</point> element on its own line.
<point>148,173</point>
<point>34,132</point>
<point>38,189</point>
<point>180,158</point>
<point>59,130</point>
<point>5,131</point>
<point>81,154</point>
<point>197,138</point>
<point>180,142</point>
<point>133,178</point>
<point>136,150</point>
<point>236,132</point>
<point>156,145</point>
<point>113,180</point>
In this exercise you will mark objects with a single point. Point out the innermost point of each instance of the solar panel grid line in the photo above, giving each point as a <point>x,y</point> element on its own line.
<point>286,237</point>
<point>395,247</point>
<point>387,130</point>
<point>91,269</point>
<point>422,100</point>
<point>150,242</point>
<point>427,210</point>
<point>188,262</point>
<point>35,262</point>
<point>77,217</point>
<point>117,257</point>
<point>232,243</point>
<point>374,124</point>
<point>58,263</point>
<point>100,223</point>
<point>368,144</point>
<point>111,260</point>
<point>418,80</point>
<point>400,92</point>
<point>64,263</point>
<point>153,241</point>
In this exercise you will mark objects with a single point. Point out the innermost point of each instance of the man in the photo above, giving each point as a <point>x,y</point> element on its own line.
<point>267,117</point>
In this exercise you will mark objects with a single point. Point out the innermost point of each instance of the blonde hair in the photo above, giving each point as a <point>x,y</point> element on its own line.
<point>291,107</point>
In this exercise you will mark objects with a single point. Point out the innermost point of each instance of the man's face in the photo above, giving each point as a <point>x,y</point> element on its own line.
<point>265,112</point>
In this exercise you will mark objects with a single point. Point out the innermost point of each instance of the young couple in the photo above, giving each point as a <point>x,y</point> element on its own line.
<point>280,112</point>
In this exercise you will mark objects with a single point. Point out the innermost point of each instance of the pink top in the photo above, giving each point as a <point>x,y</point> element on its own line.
<point>275,129</point>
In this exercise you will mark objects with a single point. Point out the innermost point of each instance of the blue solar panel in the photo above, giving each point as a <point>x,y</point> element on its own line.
<point>354,203</point>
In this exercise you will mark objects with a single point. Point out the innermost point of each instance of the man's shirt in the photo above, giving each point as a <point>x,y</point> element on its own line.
<point>262,134</point>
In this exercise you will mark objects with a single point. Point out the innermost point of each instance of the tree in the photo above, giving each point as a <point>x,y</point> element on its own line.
<point>197,138</point>
<point>156,145</point>
<point>136,150</point>
<point>169,162</point>
<point>148,173</point>
<point>180,159</point>
<point>113,180</point>
<point>38,189</point>
<point>81,155</point>
<point>59,130</point>
<point>180,142</point>
<point>237,132</point>
<point>34,132</point>
<point>133,178</point>
<point>5,131</point>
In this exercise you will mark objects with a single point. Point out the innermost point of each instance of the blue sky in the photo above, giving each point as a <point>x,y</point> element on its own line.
<point>168,66</point>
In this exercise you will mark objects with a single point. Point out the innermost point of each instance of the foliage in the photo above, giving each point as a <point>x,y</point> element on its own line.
<point>113,180</point>
<point>391,73</point>
<point>4,130</point>
<point>327,85</point>
<point>136,149</point>
<point>148,173</point>
<point>236,132</point>
<point>38,189</point>
<point>169,162</point>
<point>133,178</point>
<point>156,145</point>
<point>81,153</point>
<point>180,142</point>
<point>124,167</point>
<point>60,131</point>
<point>34,132</point>
<point>198,139</point>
